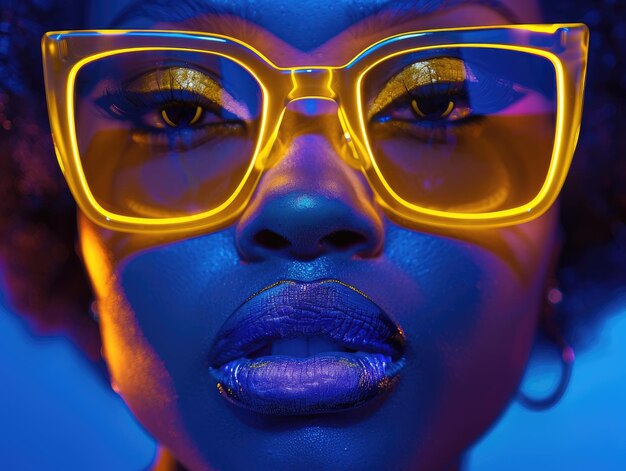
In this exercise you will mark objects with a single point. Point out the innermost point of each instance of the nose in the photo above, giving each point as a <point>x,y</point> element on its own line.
<point>310,203</point>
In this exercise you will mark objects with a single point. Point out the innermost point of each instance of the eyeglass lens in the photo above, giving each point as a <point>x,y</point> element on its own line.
<point>468,129</point>
<point>163,133</point>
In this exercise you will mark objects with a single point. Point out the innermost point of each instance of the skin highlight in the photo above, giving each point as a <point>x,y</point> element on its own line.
<point>468,300</point>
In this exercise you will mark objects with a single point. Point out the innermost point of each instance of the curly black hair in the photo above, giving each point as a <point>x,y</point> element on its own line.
<point>45,280</point>
<point>42,275</point>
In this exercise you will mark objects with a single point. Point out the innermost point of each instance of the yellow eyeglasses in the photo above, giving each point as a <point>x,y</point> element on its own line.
<point>170,131</point>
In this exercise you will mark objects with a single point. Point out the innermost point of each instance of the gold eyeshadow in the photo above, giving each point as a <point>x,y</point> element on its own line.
<point>191,81</point>
<point>419,74</point>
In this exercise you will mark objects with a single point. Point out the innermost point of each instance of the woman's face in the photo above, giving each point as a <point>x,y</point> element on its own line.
<point>466,300</point>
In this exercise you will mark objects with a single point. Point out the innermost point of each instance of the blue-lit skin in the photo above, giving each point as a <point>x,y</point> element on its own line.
<point>468,301</point>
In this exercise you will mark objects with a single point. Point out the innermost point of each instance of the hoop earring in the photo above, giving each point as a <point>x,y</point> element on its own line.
<point>567,357</point>
<point>544,403</point>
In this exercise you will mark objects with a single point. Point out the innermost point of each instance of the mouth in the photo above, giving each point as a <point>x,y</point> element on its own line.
<point>306,348</point>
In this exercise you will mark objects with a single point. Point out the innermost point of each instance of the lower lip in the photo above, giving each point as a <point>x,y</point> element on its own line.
<point>326,382</point>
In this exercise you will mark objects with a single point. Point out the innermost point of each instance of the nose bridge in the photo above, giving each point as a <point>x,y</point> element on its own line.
<point>312,82</point>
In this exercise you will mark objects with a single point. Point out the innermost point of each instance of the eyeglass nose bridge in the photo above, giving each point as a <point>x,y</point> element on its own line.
<point>311,82</point>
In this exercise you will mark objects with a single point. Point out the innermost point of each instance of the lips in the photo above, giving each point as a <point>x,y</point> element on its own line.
<point>305,348</point>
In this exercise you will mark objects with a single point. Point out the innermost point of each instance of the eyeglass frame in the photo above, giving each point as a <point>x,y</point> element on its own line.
<point>66,52</point>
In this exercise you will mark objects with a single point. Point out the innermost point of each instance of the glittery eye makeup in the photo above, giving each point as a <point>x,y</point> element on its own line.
<point>419,75</point>
<point>188,80</point>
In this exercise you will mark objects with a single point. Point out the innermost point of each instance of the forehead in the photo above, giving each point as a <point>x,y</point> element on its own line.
<point>321,29</point>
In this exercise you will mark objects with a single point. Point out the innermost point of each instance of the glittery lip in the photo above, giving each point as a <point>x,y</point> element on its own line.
<point>361,359</point>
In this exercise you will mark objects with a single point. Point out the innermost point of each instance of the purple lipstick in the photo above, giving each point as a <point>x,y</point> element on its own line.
<point>305,348</point>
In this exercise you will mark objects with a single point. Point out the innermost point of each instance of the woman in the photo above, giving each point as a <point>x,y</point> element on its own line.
<point>440,317</point>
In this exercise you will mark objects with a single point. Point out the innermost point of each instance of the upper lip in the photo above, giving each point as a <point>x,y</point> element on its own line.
<point>290,309</point>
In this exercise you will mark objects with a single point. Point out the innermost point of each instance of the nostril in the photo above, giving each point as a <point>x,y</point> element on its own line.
<point>271,240</point>
<point>343,239</point>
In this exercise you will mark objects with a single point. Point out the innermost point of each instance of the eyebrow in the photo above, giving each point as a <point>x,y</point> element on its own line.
<point>164,10</point>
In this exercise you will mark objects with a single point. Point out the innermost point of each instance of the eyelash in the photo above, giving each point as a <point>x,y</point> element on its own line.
<point>125,105</point>
<point>128,106</point>
<point>459,107</point>
<point>491,95</point>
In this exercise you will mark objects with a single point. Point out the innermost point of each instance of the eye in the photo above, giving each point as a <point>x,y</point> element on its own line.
<point>431,91</point>
<point>181,115</point>
<point>437,102</point>
<point>433,109</point>
<point>175,107</point>
<point>172,98</point>
<point>165,111</point>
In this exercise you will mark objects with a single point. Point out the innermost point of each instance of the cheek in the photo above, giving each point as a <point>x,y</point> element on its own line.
<point>469,312</point>
<point>480,342</point>
<point>155,319</point>
<point>139,373</point>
